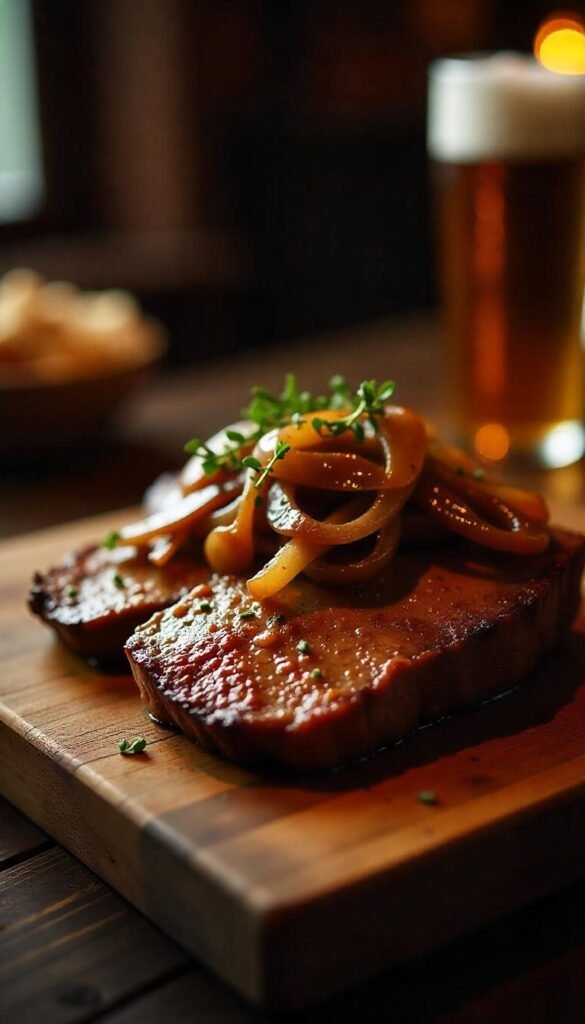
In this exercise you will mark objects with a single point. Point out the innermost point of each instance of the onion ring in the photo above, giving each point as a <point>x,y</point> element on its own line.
<point>170,520</point>
<point>363,568</point>
<point>458,514</point>
<point>367,474</point>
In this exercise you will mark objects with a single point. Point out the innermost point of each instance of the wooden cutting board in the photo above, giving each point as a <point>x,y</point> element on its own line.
<point>291,887</point>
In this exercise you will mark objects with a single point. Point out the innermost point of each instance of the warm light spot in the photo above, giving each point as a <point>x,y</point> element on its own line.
<point>559,45</point>
<point>492,442</point>
<point>563,445</point>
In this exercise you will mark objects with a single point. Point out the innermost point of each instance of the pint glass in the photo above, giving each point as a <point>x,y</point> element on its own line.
<point>507,142</point>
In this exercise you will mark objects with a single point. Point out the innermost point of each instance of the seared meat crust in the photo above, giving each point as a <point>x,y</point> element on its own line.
<point>94,598</point>
<point>352,669</point>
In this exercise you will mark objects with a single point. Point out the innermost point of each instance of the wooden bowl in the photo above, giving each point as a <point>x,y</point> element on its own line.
<point>47,416</point>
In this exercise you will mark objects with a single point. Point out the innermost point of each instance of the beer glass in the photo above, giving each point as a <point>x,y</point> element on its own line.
<point>507,143</point>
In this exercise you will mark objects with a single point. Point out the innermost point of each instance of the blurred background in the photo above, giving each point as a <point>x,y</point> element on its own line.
<point>252,170</point>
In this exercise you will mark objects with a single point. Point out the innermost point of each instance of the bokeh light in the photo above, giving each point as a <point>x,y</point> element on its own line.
<point>492,442</point>
<point>559,45</point>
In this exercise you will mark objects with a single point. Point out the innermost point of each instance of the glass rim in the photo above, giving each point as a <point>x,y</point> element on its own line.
<point>452,63</point>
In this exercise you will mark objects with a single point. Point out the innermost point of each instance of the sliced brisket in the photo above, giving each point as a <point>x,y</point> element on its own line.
<point>323,675</point>
<point>94,598</point>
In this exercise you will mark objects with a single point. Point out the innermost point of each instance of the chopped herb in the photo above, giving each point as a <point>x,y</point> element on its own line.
<point>72,592</point>
<point>304,647</point>
<point>118,581</point>
<point>427,796</point>
<point>112,539</point>
<point>478,474</point>
<point>251,462</point>
<point>258,501</point>
<point>133,746</point>
<point>279,618</point>
<point>248,613</point>
<point>204,606</point>
<point>316,673</point>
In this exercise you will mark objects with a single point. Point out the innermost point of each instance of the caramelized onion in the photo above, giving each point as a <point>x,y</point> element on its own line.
<point>287,518</point>
<point>230,548</point>
<point>331,471</point>
<point>363,568</point>
<point>165,547</point>
<point>361,485</point>
<point>458,470</point>
<point>184,514</point>
<point>499,527</point>
<point>402,438</point>
<point>403,441</point>
<point>293,558</point>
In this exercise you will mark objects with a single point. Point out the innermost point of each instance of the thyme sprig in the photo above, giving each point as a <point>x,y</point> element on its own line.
<point>371,398</point>
<point>268,411</point>
<point>280,450</point>
<point>229,458</point>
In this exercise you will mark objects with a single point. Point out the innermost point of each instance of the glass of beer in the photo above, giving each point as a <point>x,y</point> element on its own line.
<point>507,143</point>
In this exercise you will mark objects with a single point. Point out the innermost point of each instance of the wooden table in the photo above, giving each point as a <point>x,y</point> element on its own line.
<point>71,949</point>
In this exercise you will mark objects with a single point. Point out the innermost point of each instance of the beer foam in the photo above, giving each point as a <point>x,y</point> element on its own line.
<point>503,106</point>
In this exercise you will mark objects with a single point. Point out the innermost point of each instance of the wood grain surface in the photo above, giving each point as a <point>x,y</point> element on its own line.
<point>59,925</point>
<point>59,910</point>
<point>262,876</point>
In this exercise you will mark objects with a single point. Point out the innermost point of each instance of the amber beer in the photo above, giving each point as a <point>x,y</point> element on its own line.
<point>508,155</point>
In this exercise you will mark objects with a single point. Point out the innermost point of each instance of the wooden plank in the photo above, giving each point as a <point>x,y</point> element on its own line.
<point>19,837</point>
<point>533,961</point>
<point>259,875</point>
<point>488,971</point>
<point>69,946</point>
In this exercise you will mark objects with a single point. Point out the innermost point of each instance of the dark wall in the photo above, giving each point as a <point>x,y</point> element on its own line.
<point>282,137</point>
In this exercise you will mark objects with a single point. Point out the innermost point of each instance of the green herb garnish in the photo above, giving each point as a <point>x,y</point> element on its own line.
<point>118,581</point>
<point>212,461</point>
<point>279,453</point>
<point>72,592</point>
<point>268,411</point>
<point>135,746</point>
<point>304,647</point>
<point>370,401</point>
<point>204,606</point>
<point>427,796</point>
<point>279,618</point>
<point>112,539</point>
<point>247,614</point>
<point>478,474</point>
<point>316,673</point>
